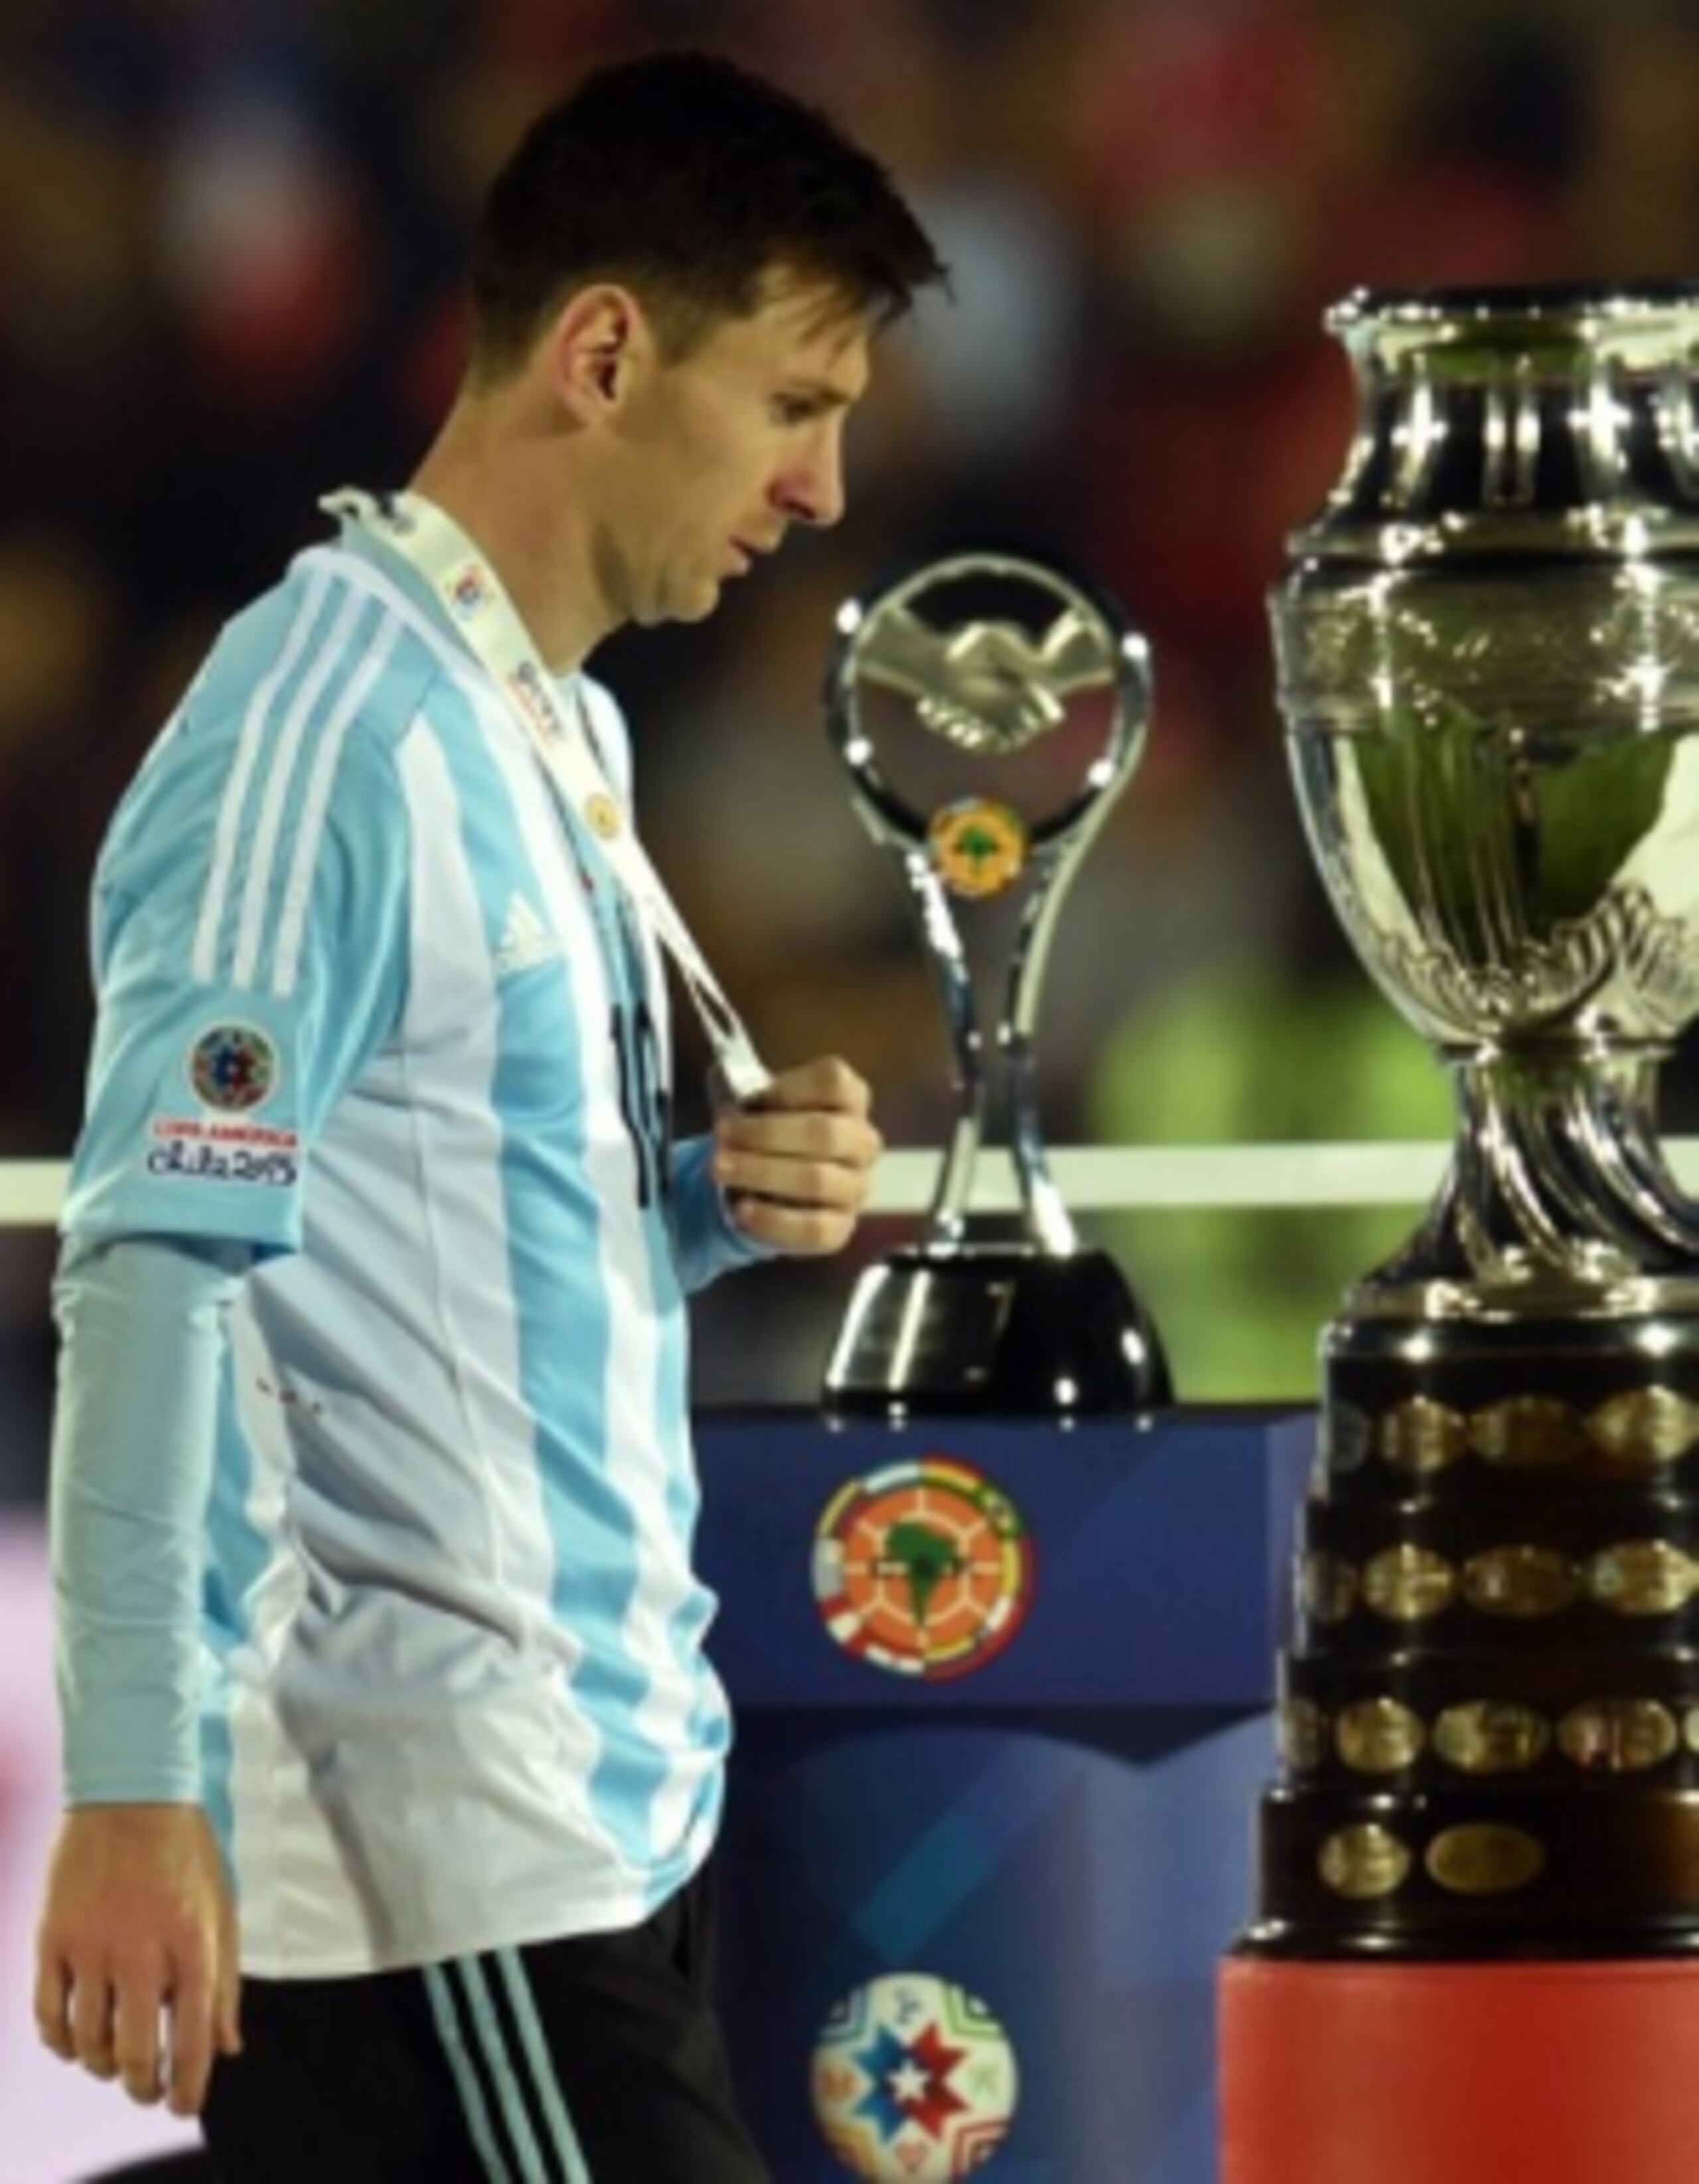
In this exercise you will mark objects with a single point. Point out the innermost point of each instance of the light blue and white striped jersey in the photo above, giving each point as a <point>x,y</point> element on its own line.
<point>369,1002</point>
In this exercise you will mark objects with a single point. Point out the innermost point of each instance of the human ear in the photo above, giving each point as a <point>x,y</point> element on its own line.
<point>597,341</point>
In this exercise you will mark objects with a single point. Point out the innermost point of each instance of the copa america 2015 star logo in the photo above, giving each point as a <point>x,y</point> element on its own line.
<point>914,2080</point>
<point>922,1568</point>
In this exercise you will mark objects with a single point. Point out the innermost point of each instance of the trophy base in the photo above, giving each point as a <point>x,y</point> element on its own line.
<point>995,1327</point>
<point>1489,1718</point>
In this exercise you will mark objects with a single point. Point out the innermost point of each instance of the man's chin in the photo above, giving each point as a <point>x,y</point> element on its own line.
<point>698,602</point>
<point>694,603</point>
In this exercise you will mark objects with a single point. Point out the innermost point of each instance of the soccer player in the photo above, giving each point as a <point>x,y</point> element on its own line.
<point>380,1647</point>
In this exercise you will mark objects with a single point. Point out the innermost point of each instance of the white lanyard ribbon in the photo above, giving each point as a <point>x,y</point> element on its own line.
<point>487,622</point>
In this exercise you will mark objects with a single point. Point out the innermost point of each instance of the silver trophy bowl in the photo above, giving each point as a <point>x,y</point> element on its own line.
<point>1489,663</point>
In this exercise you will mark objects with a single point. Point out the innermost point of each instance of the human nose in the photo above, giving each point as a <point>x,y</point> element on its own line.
<point>814,491</point>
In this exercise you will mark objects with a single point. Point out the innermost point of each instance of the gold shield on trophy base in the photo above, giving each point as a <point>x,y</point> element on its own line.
<point>1379,1736</point>
<point>1327,1586</point>
<point>1647,1426</point>
<point>1492,1736</point>
<point>1302,1735</point>
<point>1483,1858</point>
<point>1618,1736</point>
<point>1421,1436</point>
<point>1363,1861</point>
<point>1641,1577</point>
<point>1526,1432</point>
<point>1408,1584</point>
<point>1528,1582</point>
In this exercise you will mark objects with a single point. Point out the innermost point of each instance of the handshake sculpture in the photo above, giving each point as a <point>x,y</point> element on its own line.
<point>988,686</point>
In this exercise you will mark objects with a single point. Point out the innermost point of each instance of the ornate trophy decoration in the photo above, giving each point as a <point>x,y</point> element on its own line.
<point>1489,662</point>
<point>1004,666</point>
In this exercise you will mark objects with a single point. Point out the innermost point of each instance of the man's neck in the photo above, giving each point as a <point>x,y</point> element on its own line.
<point>502,486</point>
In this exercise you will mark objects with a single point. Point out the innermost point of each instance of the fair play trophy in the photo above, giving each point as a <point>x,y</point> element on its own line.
<point>1489,657</point>
<point>989,711</point>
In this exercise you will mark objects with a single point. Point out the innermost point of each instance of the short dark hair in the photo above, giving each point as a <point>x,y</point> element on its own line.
<point>688,180</point>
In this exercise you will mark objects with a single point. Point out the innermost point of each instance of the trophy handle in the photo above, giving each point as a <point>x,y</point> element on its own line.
<point>947,1219</point>
<point>1043,1213</point>
<point>1064,844</point>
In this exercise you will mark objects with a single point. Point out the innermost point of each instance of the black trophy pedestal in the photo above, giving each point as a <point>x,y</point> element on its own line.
<point>1479,1868</point>
<point>998,1327</point>
<point>1489,1718</point>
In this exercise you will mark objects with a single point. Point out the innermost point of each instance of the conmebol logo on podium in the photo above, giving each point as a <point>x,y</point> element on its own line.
<point>922,1568</point>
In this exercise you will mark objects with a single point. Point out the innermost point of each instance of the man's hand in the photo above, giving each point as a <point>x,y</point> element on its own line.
<point>794,1166</point>
<point>138,1924</point>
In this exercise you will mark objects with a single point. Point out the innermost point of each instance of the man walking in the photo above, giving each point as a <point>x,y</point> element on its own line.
<point>380,1649</point>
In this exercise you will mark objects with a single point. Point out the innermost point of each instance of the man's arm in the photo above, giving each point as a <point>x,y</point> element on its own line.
<point>138,1917</point>
<point>709,1241</point>
<point>251,938</point>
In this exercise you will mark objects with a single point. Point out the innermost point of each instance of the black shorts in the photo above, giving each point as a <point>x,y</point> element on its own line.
<point>595,2060</point>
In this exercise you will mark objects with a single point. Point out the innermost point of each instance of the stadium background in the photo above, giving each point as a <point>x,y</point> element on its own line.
<point>230,232</point>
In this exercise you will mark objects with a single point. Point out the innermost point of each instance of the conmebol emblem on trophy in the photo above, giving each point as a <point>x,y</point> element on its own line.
<point>984,671</point>
<point>1489,665</point>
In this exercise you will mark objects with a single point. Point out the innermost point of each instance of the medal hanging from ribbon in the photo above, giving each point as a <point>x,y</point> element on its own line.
<point>489,626</point>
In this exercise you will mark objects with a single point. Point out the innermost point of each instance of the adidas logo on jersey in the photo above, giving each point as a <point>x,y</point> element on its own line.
<point>525,940</point>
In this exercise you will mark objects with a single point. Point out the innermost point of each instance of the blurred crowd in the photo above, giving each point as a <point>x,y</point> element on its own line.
<point>230,234</point>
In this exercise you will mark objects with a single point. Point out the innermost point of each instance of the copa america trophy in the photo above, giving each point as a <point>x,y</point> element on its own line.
<point>1489,663</point>
<point>999,663</point>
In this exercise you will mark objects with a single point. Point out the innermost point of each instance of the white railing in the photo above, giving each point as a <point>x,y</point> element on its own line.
<point>1092,1178</point>
<point>29,1193</point>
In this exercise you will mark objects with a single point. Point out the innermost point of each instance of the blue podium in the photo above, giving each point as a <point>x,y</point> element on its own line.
<point>1002,1691</point>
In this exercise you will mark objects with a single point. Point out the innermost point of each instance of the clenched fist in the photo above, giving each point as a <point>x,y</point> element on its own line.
<point>795,1164</point>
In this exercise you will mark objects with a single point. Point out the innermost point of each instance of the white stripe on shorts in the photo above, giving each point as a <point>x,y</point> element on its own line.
<point>515,1978</point>
<point>456,2004</point>
<point>494,2042</point>
<point>465,2076</point>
